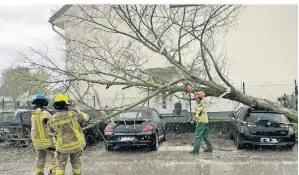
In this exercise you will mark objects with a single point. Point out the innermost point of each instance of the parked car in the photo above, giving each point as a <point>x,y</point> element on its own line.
<point>136,127</point>
<point>15,125</point>
<point>257,127</point>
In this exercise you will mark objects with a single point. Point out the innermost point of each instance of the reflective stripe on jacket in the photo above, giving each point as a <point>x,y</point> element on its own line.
<point>39,130</point>
<point>68,132</point>
<point>200,112</point>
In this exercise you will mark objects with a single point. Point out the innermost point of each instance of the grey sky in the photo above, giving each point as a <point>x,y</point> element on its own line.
<point>22,26</point>
<point>264,48</point>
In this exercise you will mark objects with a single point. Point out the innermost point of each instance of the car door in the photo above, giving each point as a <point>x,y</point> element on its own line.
<point>234,122</point>
<point>158,121</point>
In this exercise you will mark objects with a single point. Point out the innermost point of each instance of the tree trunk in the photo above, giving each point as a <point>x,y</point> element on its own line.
<point>248,100</point>
<point>262,104</point>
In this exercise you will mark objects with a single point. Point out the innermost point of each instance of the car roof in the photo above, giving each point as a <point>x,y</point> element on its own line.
<point>271,112</point>
<point>253,110</point>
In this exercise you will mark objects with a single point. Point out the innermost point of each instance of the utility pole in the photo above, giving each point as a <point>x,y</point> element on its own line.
<point>148,93</point>
<point>243,87</point>
<point>296,94</point>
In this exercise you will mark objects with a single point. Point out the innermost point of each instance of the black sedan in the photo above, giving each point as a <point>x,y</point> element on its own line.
<point>256,127</point>
<point>136,127</point>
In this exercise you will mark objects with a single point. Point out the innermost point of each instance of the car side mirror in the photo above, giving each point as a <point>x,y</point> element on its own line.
<point>161,117</point>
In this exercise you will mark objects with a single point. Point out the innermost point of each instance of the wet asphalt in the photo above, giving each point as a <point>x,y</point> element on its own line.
<point>168,160</point>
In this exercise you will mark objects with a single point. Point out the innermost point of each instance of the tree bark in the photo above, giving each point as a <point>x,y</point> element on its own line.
<point>262,104</point>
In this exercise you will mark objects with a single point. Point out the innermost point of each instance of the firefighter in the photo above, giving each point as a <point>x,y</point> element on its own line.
<point>66,126</point>
<point>41,139</point>
<point>202,129</point>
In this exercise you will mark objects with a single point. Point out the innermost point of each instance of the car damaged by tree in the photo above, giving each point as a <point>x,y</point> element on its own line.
<point>261,128</point>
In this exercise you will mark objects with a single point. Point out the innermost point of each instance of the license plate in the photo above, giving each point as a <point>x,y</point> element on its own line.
<point>126,139</point>
<point>269,140</point>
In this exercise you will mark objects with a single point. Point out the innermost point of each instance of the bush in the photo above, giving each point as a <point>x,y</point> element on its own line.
<point>295,126</point>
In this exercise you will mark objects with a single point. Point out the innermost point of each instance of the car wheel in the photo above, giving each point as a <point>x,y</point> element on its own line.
<point>237,142</point>
<point>108,147</point>
<point>155,145</point>
<point>290,147</point>
<point>231,136</point>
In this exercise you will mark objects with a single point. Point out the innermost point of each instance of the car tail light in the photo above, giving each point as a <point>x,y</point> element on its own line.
<point>250,124</point>
<point>147,128</point>
<point>109,128</point>
<point>19,127</point>
<point>285,125</point>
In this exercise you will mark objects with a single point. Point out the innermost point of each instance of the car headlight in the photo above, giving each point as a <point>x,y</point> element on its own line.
<point>291,131</point>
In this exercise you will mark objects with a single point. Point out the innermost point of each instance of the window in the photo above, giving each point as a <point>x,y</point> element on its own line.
<point>9,118</point>
<point>164,105</point>
<point>131,115</point>
<point>26,117</point>
<point>271,117</point>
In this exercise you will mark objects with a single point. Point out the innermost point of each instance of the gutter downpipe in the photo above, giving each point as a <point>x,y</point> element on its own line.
<point>53,28</point>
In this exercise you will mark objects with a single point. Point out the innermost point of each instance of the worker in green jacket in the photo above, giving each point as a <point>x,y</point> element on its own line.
<point>202,129</point>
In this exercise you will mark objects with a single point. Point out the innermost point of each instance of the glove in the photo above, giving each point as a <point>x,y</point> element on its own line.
<point>81,124</point>
<point>46,120</point>
<point>52,149</point>
<point>200,113</point>
<point>198,101</point>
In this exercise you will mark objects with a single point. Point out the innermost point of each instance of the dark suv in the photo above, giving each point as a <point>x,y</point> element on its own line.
<point>256,127</point>
<point>15,125</point>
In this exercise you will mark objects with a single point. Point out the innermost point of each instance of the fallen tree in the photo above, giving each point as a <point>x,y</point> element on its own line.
<point>119,40</point>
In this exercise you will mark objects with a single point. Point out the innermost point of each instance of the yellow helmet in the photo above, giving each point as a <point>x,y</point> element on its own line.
<point>60,98</point>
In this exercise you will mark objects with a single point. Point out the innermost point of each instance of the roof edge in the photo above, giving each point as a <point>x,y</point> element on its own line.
<point>59,13</point>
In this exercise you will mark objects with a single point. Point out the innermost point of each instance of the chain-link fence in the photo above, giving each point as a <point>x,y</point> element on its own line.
<point>11,105</point>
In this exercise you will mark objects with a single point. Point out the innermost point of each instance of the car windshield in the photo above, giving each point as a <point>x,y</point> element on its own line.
<point>130,115</point>
<point>8,117</point>
<point>271,117</point>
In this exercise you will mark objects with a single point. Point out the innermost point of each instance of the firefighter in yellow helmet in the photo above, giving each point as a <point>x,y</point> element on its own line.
<point>40,135</point>
<point>65,124</point>
<point>202,129</point>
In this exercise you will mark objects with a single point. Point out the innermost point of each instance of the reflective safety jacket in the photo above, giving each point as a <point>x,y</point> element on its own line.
<point>201,113</point>
<point>39,130</point>
<point>65,124</point>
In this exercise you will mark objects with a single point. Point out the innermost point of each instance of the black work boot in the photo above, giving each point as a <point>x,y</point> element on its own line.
<point>194,152</point>
<point>209,150</point>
